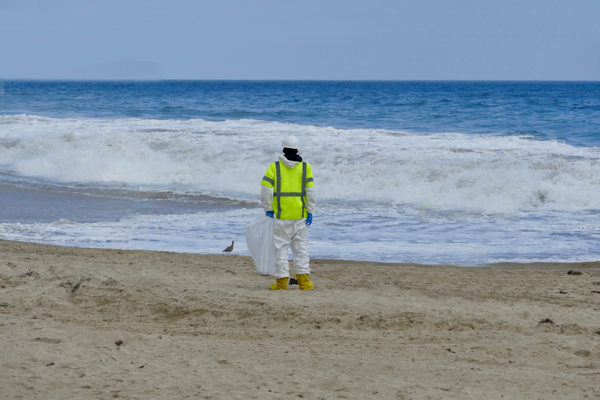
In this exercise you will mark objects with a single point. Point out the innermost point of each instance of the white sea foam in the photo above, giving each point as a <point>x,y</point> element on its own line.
<point>479,173</point>
<point>361,234</point>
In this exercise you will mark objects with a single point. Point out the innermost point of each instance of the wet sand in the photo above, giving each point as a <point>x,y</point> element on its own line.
<point>103,324</point>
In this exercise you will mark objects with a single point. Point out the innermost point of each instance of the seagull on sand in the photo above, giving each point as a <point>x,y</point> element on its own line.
<point>229,248</point>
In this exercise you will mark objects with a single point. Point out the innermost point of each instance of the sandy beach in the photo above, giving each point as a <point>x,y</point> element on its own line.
<point>103,324</point>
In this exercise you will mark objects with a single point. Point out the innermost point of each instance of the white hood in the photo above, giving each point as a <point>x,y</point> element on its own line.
<point>288,163</point>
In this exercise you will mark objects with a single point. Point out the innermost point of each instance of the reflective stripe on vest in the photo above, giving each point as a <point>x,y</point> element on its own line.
<point>279,194</point>
<point>303,188</point>
<point>278,189</point>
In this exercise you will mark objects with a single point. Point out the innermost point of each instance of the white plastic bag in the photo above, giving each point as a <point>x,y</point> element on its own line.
<point>259,238</point>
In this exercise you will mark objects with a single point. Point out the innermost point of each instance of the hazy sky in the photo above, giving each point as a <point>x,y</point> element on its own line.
<point>300,39</point>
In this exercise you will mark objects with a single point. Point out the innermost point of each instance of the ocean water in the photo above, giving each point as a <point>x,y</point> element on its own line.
<point>432,172</point>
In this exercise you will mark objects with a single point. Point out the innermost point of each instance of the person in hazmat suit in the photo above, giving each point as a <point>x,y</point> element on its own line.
<point>287,195</point>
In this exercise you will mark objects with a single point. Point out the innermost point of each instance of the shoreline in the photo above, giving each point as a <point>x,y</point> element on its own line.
<point>138,324</point>
<point>534,265</point>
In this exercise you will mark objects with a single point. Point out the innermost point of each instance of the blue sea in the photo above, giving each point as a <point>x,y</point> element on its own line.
<point>467,173</point>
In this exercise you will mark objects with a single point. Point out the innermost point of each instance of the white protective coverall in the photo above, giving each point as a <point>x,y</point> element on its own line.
<point>290,233</point>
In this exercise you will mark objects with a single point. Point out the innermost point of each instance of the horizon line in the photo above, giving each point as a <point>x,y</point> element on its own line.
<point>284,80</point>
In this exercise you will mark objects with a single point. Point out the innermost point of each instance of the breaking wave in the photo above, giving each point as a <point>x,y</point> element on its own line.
<point>226,159</point>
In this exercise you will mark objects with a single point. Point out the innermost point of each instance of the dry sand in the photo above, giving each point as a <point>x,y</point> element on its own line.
<point>104,324</point>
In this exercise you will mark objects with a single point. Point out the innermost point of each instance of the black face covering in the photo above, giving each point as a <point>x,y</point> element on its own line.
<point>291,154</point>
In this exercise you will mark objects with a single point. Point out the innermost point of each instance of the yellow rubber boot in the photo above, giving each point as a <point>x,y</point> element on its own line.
<point>281,284</point>
<point>304,282</point>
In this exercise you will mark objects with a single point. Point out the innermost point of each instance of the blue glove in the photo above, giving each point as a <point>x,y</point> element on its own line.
<point>309,219</point>
<point>270,214</point>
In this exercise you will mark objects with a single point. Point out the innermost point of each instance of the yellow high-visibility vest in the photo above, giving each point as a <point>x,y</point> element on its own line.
<point>289,188</point>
